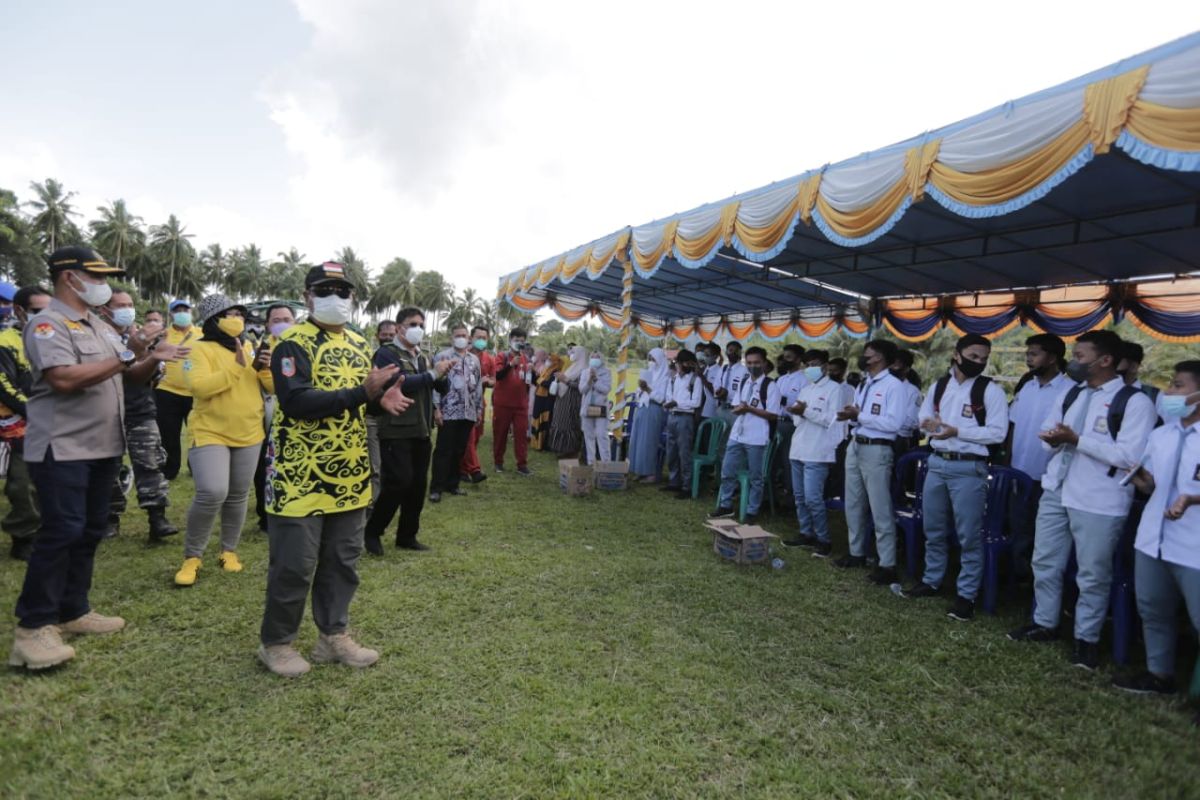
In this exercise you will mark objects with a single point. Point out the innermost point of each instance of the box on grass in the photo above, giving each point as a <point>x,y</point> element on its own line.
<point>741,544</point>
<point>574,478</point>
<point>612,475</point>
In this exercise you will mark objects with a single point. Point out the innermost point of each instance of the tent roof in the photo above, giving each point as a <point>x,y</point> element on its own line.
<point>1093,181</point>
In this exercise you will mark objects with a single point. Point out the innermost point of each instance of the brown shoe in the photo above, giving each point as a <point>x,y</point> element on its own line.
<point>93,624</point>
<point>283,659</point>
<point>39,648</point>
<point>342,649</point>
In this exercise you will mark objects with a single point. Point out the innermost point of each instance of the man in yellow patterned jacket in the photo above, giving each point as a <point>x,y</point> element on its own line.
<point>319,475</point>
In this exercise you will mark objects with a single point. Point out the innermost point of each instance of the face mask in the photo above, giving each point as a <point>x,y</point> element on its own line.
<point>756,371</point>
<point>595,363</point>
<point>94,294</point>
<point>516,346</point>
<point>331,310</point>
<point>812,373</point>
<point>278,328</point>
<point>734,357</point>
<point>1078,370</point>
<point>182,319</point>
<point>786,366</point>
<point>231,326</point>
<point>480,344</point>
<point>862,362</point>
<point>123,317</point>
<point>1174,406</point>
<point>414,335</point>
<point>970,368</point>
<point>460,343</point>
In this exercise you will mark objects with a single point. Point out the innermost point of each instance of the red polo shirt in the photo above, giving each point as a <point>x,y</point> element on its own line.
<point>511,389</point>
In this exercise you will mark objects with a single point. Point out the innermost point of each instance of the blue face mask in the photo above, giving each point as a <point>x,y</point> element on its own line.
<point>812,373</point>
<point>182,318</point>
<point>595,363</point>
<point>1174,406</point>
<point>123,317</point>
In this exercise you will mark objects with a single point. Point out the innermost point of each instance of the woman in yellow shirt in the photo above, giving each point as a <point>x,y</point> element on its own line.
<point>227,378</point>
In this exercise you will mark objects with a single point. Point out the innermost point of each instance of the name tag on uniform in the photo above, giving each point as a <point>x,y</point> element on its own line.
<point>1101,425</point>
<point>876,409</point>
<point>754,403</point>
<point>968,410</point>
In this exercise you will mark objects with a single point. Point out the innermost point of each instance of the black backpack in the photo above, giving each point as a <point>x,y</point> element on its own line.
<point>978,409</point>
<point>1116,410</point>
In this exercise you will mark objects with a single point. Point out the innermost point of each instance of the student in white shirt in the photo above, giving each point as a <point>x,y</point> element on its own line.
<point>1129,367</point>
<point>1038,392</point>
<point>754,402</point>
<point>1167,548</point>
<point>595,382</point>
<point>963,413</point>
<point>814,450</point>
<point>685,397</point>
<point>1082,501</point>
<point>733,374</point>
<point>901,367</point>
<point>791,380</point>
<point>876,417</point>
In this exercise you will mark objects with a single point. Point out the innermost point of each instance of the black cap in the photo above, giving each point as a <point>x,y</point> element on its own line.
<point>329,272</point>
<point>79,257</point>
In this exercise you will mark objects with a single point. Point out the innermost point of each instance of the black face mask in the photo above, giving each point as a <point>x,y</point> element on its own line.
<point>756,371</point>
<point>786,365</point>
<point>734,357</point>
<point>1078,370</point>
<point>862,362</point>
<point>971,369</point>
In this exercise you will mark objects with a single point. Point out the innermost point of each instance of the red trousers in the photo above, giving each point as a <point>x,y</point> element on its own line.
<point>502,420</point>
<point>470,460</point>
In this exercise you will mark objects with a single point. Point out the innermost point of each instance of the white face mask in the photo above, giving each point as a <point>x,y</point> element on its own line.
<point>332,310</point>
<point>460,343</point>
<point>414,335</point>
<point>123,317</point>
<point>94,294</point>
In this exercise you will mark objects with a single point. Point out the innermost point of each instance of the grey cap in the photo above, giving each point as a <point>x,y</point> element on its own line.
<point>212,305</point>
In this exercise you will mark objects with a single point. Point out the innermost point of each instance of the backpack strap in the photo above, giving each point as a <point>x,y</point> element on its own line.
<point>978,390</point>
<point>939,391</point>
<point>1026,378</point>
<point>762,392</point>
<point>1069,398</point>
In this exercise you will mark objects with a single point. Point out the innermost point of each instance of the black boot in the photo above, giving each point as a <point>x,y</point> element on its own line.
<point>160,526</point>
<point>21,548</point>
<point>114,527</point>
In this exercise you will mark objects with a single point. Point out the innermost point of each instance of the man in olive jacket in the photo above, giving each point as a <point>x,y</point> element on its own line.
<point>404,443</point>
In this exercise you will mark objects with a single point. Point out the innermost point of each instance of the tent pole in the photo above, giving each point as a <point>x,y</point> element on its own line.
<point>617,421</point>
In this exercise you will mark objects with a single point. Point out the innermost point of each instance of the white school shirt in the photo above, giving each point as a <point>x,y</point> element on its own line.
<point>687,392</point>
<point>789,385</point>
<point>818,433</point>
<point>912,408</point>
<point>956,410</point>
<point>748,428</point>
<point>880,401</point>
<point>1173,540</point>
<point>712,374</point>
<point>733,376</point>
<point>1087,485</point>
<point>1027,414</point>
<point>660,390</point>
<point>845,398</point>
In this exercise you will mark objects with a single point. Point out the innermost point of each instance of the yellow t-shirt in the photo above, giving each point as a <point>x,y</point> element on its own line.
<point>227,405</point>
<point>173,379</point>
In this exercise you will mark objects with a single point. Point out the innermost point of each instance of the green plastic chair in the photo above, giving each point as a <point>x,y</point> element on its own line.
<point>706,448</point>
<point>743,478</point>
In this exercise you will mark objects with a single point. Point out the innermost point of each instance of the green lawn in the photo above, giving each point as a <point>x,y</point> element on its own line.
<point>551,646</point>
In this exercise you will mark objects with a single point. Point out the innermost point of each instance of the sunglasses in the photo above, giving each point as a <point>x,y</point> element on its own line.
<point>341,290</point>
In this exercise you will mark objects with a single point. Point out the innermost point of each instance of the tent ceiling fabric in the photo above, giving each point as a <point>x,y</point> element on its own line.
<point>1094,181</point>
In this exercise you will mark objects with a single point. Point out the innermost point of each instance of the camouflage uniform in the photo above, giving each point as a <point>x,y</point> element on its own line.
<point>23,519</point>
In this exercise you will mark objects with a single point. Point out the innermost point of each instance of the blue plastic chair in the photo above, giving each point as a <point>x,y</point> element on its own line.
<point>1007,488</point>
<point>907,506</point>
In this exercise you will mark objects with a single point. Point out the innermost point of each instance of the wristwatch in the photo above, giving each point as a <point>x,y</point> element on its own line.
<point>127,358</point>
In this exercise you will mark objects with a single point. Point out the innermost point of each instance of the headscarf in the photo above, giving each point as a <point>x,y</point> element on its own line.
<point>552,366</point>
<point>657,368</point>
<point>211,309</point>
<point>579,360</point>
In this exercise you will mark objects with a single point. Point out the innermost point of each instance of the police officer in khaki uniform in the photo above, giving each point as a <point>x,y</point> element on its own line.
<point>73,446</point>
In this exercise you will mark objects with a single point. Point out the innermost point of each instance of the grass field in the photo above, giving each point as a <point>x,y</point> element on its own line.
<point>550,646</point>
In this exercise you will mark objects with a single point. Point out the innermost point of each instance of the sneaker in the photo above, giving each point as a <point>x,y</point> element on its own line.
<point>499,467</point>
<point>283,660</point>
<point>1145,683</point>
<point>229,562</point>
<point>21,548</point>
<point>920,590</point>
<point>92,624</point>
<point>372,545</point>
<point>187,573</point>
<point>524,472</point>
<point>750,519</point>
<point>822,550</point>
<point>1033,633</point>
<point>1085,655</point>
<point>963,610</point>
<point>458,492</point>
<point>723,513</point>
<point>669,488</point>
<point>39,648</point>
<point>341,649</point>
<point>435,497</point>
<point>849,562</point>
<point>799,541</point>
<point>478,477</point>
<point>882,576</point>
<point>411,544</point>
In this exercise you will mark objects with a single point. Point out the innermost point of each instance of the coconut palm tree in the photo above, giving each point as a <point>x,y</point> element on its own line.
<point>214,264</point>
<point>393,289</point>
<point>247,271</point>
<point>118,235</point>
<point>285,276</point>
<point>52,220</point>
<point>19,259</point>
<point>173,253</point>
<point>434,294</point>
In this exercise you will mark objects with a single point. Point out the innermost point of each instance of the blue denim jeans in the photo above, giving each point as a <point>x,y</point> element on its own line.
<point>808,487</point>
<point>1160,586</point>
<point>955,493</point>
<point>740,456</point>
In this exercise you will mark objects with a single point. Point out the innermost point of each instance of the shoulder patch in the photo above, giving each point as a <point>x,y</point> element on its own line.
<point>287,366</point>
<point>43,330</point>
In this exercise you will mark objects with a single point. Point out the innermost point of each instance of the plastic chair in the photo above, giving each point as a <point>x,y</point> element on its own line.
<point>619,450</point>
<point>706,446</point>
<point>1007,488</point>
<point>907,506</point>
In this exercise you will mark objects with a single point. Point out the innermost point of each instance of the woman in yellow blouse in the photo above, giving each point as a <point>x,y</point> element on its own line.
<point>227,378</point>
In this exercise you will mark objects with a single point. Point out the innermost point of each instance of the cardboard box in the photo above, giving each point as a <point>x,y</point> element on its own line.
<point>741,544</point>
<point>574,478</point>
<point>612,476</point>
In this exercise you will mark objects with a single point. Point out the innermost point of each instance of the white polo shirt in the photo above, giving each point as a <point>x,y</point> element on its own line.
<point>818,433</point>
<point>732,378</point>
<point>1087,486</point>
<point>1173,540</point>
<point>687,391</point>
<point>1027,414</point>
<point>881,407</point>
<point>956,409</point>
<point>748,428</point>
<point>713,375</point>
<point>789,385</point>
<point>912,408</point>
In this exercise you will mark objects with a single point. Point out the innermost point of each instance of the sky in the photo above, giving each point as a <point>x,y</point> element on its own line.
<point>478,137</point>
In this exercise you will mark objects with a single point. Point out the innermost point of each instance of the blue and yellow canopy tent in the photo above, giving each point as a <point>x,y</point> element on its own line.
<point>1062,211</point>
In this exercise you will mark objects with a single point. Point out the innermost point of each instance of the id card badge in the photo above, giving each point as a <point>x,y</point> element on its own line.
<point>1100,425</point>
<point>876,409</point>
<point>968,411</point>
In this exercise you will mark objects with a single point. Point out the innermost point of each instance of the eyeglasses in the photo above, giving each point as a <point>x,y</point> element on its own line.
<point>341,290</point>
